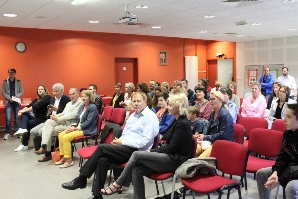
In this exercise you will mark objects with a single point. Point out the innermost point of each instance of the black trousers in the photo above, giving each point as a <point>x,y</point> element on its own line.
<point>100,162</point>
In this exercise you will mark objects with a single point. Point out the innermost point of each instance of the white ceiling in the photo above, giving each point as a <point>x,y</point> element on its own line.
<point>178,18</point>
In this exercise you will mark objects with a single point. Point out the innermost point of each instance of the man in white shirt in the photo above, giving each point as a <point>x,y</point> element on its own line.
<point>287,80</point>
<point>138,134</point>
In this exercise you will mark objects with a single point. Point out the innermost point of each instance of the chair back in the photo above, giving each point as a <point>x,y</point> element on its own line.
<point>118,116</point>
<point>231,157</point>
<point>278,125</point>
<point>131,112</point>
<point>265,142</point>
<point>239,116</point>
<point>107,113</point>
<point>250,123</point>
<point>193,147</point>
<point>109,137</point>
<point>239,133</point>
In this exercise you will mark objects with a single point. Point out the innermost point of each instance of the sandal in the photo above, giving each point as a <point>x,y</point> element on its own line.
<point>113,189</point>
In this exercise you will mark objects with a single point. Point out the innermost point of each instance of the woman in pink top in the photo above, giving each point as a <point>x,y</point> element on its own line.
<point>254,105</point>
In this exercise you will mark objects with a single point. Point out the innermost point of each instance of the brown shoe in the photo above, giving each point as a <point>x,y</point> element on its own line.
<point>40,151</point>
<point>45,158</point>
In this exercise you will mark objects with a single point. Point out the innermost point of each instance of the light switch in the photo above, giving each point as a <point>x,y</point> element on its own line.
<point>124,68</point>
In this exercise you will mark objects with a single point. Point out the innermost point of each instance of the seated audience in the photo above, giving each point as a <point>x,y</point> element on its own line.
<point>97,98</point>
<point>32,115</point>
<point>166,158</point>
<point>284,172</point>
<point>189,91</point>
<point>151,86</point>
<point>255,104</point>
<point>129,89</point>
<point>201,84</point>
<point>235,98</point>
<point>178,88</point>
<point>202,103</point>
<point>117,97</point>
<point>278,107</point>
<point>157,84</point>
<point>84,124</point>
<point>162,113</point>
<point>274,96</point>
<point>232,107</point>
<point>157,91</point>
<point>58,123</point>
<point>142,87</point>
<point>138,134</point>
<point>198,126</point>
<point>165,86</point>
<point>207,84</point>
<point>220,125</point>
<point>217,87</point>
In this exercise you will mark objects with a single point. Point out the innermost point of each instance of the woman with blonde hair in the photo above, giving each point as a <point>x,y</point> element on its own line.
<point>220,125</point>
<point>166,86</point>
<point>255,104</point>
<point>129,89</point>
<point>178,88</point>
<point>166,158</point>
<point>84,124</point>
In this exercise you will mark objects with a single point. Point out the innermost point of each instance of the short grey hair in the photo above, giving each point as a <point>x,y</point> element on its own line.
<point>59,86</point>
<point>180,101</point>
<point>130,86</point>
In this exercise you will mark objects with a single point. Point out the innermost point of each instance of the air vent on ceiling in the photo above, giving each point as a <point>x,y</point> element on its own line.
<point>225,34</point>
<point>240,23</point>
<point>238,3</point>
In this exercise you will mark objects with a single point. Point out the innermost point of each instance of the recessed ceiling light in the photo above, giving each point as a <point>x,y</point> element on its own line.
<point>239,35</point>
<point>256,24</point>
<point>291,29</point>
<point>78,2</point>
<point>209,16</point>
<point>203,31</point>
<point>10,15</point>
<point>141,6</point>
<point>93,21</point>
<point>289,1</point>
<point>156,27</point>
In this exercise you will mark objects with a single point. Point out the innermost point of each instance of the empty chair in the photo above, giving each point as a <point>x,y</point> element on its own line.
<point>278,125</point>
<point>231,159</point>
<point>107,114</point>
<point>250,123</point>
<point>118,116</point>
<point>265,143</point>
<point>239,133</point>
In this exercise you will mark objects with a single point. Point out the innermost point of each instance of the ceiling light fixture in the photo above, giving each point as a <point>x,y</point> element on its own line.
<point>10,15</point>
<point>289,1</point>
<point>93,21</point>
<point>156,27</point>
<point>256,24</point>
<point>78,2</point>
<point>203,31</point>
<point>209,16</point>
<point>291,29</point>
<point>239,35</point>
<point>142,6</point>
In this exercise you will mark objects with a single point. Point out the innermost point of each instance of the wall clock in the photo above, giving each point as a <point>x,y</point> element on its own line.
<point>20,47</point>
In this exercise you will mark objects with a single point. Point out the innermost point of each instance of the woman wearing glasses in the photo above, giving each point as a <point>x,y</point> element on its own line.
<point>255,104</point>
<point>278,107</point>
<point>220,126</point>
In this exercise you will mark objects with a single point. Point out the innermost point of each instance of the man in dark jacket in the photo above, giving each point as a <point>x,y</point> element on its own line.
<point>98,100</point>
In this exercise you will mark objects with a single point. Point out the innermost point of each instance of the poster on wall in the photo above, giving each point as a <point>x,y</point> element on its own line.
<point>252,76</point>
<point>163,57</point>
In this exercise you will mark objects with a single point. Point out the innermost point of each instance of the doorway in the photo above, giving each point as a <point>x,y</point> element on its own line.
<point>126,70</point>
<point>219,70</point>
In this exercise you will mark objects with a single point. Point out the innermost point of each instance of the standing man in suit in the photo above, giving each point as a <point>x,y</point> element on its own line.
<point>58,123</point>
<point>11,88</point>
<point>266,82</point>
<point>288,80</point>
<point>97,98</point>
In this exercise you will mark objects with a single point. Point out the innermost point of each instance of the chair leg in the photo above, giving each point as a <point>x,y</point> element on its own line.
<point>81,162</point>
<point>228,194</point>
<point>219,194</point>
<point>173,187</point>
<point>156,185</point>
<point>184,192</point>
<point>245,181</point>
<point>284,192</point>
<point>193,195</point>
<point>254,176</point>
<point>208,195</point>
<point>163,188</point>
<point>239,192</point>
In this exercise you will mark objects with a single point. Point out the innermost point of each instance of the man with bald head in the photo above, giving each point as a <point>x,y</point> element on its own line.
<point>58,123</point>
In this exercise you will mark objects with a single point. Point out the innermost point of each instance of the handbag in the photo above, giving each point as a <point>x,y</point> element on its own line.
<point>56,157</point>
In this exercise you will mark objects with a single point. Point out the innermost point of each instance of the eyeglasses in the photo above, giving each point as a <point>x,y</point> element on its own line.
<point>212,99</point>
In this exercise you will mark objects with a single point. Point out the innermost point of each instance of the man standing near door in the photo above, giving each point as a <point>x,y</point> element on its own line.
<point>12,90</point>
<point>287,80</point>
<point>266,82</point>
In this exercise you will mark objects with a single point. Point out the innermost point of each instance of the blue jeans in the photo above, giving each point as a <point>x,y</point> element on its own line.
<point>15,107</point>
<point>28,123</point>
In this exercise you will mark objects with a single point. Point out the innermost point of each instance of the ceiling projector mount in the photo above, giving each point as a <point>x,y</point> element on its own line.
<point>129,18</point>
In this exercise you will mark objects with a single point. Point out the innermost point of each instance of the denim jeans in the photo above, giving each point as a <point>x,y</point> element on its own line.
<point>15,107</point>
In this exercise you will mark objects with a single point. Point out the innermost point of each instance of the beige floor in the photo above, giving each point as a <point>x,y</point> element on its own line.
<point>22,177</point>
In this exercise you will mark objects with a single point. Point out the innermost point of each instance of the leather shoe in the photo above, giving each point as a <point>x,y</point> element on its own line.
<point>40,151</point>
<point>74,184</point>
<point>45,158</point>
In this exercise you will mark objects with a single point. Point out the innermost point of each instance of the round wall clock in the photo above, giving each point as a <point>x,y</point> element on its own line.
<point>20,47</point>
